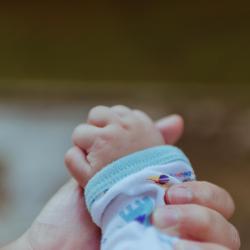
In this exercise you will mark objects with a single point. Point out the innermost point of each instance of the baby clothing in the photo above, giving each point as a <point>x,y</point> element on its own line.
<point>122,196</point>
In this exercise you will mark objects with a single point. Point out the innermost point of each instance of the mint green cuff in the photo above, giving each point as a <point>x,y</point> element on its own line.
<point>128,165</point>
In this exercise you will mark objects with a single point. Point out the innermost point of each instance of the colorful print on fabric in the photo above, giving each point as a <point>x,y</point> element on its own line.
<point>161,180</point>
<point>139,210</point>
<point>186,175</point>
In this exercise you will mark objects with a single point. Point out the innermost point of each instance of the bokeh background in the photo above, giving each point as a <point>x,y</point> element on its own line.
<point>59,59</point>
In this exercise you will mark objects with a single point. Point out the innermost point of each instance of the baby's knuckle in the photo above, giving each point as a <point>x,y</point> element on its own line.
<point>97,108</point>
<point>111,132</point>
<point>95,111</point>
<point>121,107</point>
<point>76,133</point>
<point>126,123</point>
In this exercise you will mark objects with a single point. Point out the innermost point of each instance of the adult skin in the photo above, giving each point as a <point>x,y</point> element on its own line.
<point>198,212</point>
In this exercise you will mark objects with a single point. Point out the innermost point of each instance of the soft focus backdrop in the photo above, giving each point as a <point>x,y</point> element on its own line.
<point>58,60</point>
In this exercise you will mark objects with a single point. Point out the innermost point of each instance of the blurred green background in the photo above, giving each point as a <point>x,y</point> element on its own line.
<point>59,59</point>
<point>205,41</point>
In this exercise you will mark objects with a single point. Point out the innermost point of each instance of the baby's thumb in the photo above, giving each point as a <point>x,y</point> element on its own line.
<point>171,128</point>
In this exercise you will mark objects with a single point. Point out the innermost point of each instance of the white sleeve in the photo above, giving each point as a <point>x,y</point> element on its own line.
<point>123,195</point>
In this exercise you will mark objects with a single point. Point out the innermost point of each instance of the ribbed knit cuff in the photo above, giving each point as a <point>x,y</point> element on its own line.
<point>131,164</point>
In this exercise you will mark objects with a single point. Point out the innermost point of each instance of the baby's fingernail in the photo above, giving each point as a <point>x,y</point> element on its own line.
<point>177,195</point>
<point>170,120</point>
<point>166,217</point>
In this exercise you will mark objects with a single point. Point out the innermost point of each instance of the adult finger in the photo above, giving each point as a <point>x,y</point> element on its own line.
<point>171,128</point>
<point>194,245</point>
<point>202,193</point>
<point>195,222</point>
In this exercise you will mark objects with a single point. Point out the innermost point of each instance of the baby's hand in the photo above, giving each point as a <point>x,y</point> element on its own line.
<point>109,134</point>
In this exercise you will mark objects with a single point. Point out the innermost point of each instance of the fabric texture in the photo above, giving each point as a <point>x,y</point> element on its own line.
<point>122,196</point>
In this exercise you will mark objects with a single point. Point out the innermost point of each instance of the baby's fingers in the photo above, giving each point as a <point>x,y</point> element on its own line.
<point>77,164</point>
<point>171,128</point>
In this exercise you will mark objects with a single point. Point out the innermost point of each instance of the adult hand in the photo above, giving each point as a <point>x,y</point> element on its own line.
<point>198,211</point>
<point>65,223</point>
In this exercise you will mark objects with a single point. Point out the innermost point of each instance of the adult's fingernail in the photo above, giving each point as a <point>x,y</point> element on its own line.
<point>184,245</point>
<point>177,195</point>
<point>171,231</point>
<point>166,217</point>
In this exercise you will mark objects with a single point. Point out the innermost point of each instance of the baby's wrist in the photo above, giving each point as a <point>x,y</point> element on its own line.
<point>113,175</point>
